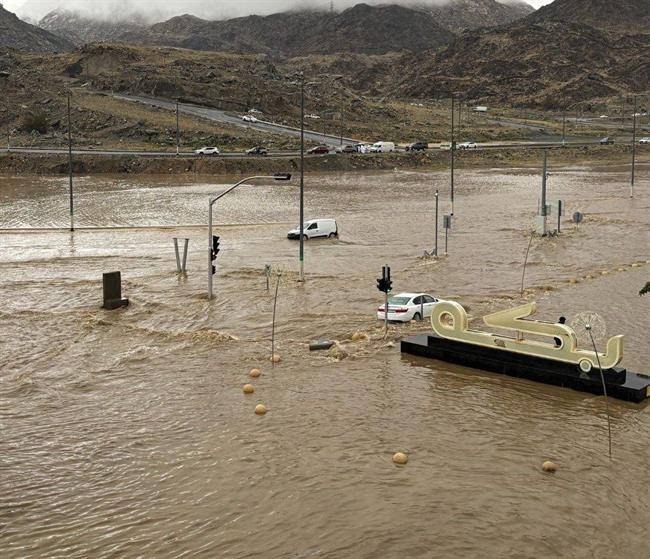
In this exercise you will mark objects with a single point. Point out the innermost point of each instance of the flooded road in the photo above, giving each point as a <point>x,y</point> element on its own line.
<point>126,433</point>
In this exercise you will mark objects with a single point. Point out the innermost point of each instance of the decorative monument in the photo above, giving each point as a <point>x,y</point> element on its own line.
<point>527,353</point>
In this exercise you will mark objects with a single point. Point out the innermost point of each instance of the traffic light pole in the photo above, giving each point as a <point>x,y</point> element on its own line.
<point>386,314</point>
<point>211,202</point>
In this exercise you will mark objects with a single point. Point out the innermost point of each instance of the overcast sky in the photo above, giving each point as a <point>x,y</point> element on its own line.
<point>160,9</point>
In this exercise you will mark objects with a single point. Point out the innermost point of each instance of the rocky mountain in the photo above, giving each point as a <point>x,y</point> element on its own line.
<point>619,15</point>
<point>549,63</point>
<point>459,15</point>
<point>19,35</point>
<point>360,29</point>
<point>81,30</point>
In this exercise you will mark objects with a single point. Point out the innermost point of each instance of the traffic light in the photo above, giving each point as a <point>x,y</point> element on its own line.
<point>384,283</point>
<point>215,251</point>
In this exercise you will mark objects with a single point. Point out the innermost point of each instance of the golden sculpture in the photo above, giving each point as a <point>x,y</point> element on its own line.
<point>514,319</point>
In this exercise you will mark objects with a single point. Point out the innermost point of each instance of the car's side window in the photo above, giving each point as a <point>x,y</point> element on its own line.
<point>313,226</point>
<point>429,299</point>
<point>417,301</point>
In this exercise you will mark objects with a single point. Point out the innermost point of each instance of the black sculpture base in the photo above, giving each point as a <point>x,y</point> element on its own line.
<point>620,383</point>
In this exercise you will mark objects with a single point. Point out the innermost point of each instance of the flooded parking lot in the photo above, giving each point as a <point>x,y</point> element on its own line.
<point>126,433</point>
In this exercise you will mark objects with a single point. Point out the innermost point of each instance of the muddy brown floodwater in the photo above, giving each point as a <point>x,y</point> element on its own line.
<point>126,433</point>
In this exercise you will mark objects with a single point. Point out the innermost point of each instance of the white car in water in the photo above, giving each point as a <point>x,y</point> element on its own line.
<point>316,228</point>
<point>207,151</point>
<point>405,307</point>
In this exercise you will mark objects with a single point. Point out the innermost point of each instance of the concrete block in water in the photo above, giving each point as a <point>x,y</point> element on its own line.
<point>112,284</point>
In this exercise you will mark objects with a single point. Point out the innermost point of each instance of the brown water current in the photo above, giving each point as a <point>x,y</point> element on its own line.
<point>126,433</point>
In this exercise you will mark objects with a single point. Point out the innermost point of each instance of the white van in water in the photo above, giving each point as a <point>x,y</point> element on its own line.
<point>316,228</point>
<point>382,147</point>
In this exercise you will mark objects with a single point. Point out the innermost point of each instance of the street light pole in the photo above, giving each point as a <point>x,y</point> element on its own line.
<point>178,131</point>
<point>453,150</point>
<point>564,128</point>
<point>211,201</point>
<point>302,177</point>
<point>435,249</point>
<point>633,147</point>
<point>70,164</point>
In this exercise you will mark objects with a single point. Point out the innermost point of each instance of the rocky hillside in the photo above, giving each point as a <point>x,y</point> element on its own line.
<point>547,64</point>
<point>81,30</point>
<point>619,15</point>
<point>459,15</point>
<point>16,34</point>
<point>360,29</point>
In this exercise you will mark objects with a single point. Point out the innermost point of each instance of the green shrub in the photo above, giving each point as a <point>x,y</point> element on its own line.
<point>36,121</point>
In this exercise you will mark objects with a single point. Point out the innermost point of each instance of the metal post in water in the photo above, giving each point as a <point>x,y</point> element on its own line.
<point>70,164</point>
<point>267,273</point>
<point>178,258</point>
<point>185,251</point>
<point>302,178</point>
<point>542,211</point>
<point>435,249</point>
<point>385,314</point>
<point>275,302</point>
<point>209,249</point>
<point>446,237</point>
<point>446,220</point>
<point>633,147</point>
<point>559,215</point>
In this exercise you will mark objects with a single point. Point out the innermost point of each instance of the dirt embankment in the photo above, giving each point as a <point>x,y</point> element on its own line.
<point>16,163</point>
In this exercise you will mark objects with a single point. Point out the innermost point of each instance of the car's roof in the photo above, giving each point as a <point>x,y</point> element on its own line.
<point>410,295</point>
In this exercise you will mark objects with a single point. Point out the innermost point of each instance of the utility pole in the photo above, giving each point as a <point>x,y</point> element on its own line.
<point>564,128</point>
<point>453,150</point>
<point>341,113</point>
<point>302,177</point>
<point>178,132</point>
<point>70,164</point>
<point>633,146</point>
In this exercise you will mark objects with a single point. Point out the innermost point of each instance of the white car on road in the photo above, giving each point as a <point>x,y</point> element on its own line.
<point>207,151</point>
<point>644,141</point>
<point>467,145</point>
<point>405,307</point>
<point>249,118</point>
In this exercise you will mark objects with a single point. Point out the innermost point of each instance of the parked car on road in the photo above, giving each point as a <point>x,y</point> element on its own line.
<point>382,147</point>
<point>467,145</point>
<point>644,141</point>
<point>207,151</point>
<point>249,118</point>
<point>315,228</point>
<point>405,307</point>
<point>319,150</point>
<point>606,141</point>
<point>257,150</point>
<point>349,149</point>
<point>417,146</point>
<point>364,148</point>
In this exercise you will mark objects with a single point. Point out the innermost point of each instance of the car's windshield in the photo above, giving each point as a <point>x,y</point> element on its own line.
<point>398,300</point>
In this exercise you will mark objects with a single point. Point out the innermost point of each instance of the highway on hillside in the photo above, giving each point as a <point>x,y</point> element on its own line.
<point>217,115</point>
<point>284,154</point>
